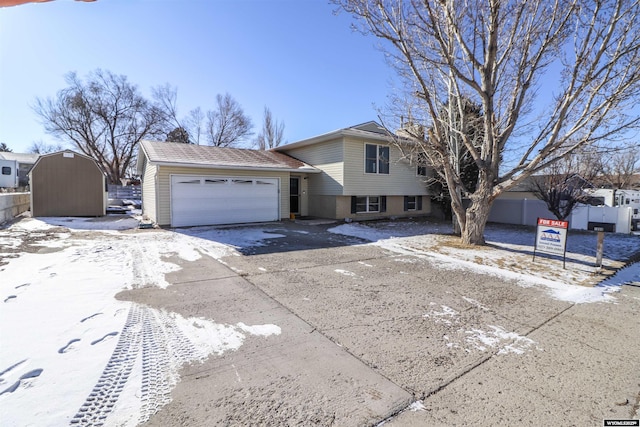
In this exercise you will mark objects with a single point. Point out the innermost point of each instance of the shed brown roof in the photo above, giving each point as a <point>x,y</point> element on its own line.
<point>224,157</point>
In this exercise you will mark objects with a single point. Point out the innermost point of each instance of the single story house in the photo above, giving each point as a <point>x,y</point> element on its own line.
<point>351,173</point>
<point>67,184</point>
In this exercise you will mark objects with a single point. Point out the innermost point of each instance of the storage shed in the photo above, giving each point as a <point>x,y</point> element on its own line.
<point>67,184</point>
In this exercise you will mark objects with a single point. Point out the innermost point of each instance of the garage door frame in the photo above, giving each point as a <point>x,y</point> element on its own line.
<point>224,177</point>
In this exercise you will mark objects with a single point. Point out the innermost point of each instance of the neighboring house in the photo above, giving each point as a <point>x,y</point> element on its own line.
<point>350,173</point>
<point>25,163</point>
<point>526,189</point>
<point>67,184</point>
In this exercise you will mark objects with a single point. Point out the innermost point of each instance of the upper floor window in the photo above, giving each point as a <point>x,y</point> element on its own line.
<point>376,159</point>
<point>421,168</point>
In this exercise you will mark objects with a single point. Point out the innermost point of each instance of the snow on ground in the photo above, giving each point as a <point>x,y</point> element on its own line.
<point>66,340</point>
<point>509,254</point>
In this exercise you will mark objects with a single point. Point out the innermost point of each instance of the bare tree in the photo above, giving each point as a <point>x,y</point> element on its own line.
<point>41,147</point>
<point>425,154</point>
<point>105,117</point>
<point>166,100</point>
<point>561,186</point>
<point>272,132</point>
<point>227,125</point>
<point>617,168</point>
<point>5,148</point>
<point>499,54</point>
<point>193,125</point>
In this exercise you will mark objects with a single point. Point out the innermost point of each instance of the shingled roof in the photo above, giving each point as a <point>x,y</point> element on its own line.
<point>176,154</point>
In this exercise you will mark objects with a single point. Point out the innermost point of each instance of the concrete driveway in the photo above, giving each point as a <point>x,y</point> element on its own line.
<point>370,335</point>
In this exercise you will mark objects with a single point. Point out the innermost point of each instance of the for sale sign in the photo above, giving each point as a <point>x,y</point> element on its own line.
<point>551,237</point>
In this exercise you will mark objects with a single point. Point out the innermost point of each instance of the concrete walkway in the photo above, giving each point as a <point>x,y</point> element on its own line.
<point>297,378</point>
<point>367,332</point>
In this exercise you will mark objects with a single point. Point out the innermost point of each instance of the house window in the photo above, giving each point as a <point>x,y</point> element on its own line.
<point>368,204</point>
<point>6,170</point>
<point>421,165</point>
<point>412,203</point>
<point>376,159</point>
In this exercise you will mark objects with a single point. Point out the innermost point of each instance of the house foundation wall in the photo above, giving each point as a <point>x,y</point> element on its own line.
<point>339,207</point>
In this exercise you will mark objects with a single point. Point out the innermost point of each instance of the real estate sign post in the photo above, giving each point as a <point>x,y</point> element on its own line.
<point>551,238</point>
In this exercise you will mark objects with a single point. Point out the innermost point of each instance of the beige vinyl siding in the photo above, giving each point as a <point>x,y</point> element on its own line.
<point>323,206</point>
<point>149,207</point>
<point>327,156</point>
<point>401,180</point>
<point>164,186</point>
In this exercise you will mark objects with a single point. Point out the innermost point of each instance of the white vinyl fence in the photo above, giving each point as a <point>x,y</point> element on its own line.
<point>527,212</point>
<point>582,215</point>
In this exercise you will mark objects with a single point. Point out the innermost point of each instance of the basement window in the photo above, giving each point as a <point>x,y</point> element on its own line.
<point>368,204</point>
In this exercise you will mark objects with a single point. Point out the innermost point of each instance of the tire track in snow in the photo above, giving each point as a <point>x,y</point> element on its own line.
<point>155,337</point>
<point>104,395</point>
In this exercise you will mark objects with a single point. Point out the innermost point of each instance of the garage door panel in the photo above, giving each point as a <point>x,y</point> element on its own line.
<point>223,200</point>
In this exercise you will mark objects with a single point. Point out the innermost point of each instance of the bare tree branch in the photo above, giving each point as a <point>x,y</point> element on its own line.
<point>227,125</point>
<point>104,117</point>
<point>272,132</point>
<point>501,55</point>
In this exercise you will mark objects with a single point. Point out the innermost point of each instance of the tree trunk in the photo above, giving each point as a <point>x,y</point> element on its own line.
<point>477,215</point>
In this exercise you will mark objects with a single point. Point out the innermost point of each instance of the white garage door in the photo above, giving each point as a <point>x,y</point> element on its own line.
<point>209,200</point>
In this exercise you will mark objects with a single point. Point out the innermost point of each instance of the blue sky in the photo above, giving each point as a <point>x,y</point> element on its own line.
<point>296,57</point>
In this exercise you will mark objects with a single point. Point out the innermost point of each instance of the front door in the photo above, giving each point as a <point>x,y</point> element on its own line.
<point>294,195</point>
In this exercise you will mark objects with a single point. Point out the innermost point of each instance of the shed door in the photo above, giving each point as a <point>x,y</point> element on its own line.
<point>209,200</point>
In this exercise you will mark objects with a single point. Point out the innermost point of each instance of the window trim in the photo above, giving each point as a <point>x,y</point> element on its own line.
<point>368,203</point>
<point>411,200</point>
<point>379,162</point>
<point>381,204</point>
<point>417,203</point>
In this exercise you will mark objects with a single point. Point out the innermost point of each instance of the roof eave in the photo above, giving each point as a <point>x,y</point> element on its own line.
<point>140,159</point>
<point>234,167</point>
<point>333,135</point>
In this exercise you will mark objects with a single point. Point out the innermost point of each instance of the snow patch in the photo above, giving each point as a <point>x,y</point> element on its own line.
<point>441,316</point>
<point>346,272</point>
<point>417,406</point>
<point>496,338</point>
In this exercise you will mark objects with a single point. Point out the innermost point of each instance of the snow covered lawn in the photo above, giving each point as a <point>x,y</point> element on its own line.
<point>71,354</point>
<point>509,254</point>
